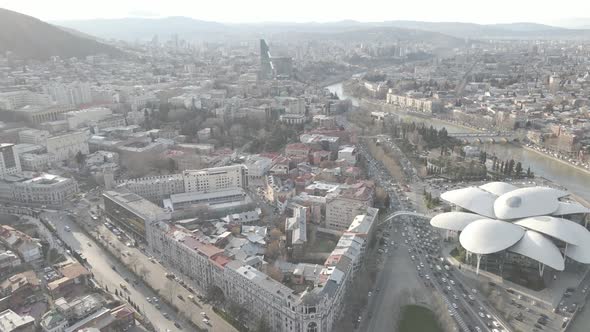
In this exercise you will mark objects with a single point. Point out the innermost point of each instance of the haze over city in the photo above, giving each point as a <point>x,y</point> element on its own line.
<point>235,11</point>
<point>304,166</point>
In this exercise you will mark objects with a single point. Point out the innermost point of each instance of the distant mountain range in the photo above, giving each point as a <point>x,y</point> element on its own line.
<point>30,38</point>
<point>131,29</point>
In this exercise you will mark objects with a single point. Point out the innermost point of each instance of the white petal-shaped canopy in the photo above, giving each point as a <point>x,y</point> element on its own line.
<point>536,246</point>
<point>454,221</point>
<point>527,202</point>
<point>565,208</point>
<point>581,252</point>
<point>487,236</point>
<point>472,199</point>
<point>498,188</point>
<point>561,229</point>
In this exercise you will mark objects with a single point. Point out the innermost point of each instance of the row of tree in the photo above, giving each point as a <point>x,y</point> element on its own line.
<point>510,168</point>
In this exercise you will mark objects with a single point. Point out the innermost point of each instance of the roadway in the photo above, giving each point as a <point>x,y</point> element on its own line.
<point>101,265</point>
<point>399,273</point>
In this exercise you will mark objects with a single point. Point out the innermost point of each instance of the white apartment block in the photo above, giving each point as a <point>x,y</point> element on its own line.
<point>66,146</point>
<point>33,136</point>
<point>349,154</point>
<point>341,210</point>
<point>155,187</point>
<point>17,99</point>
<point>9,160</point>
<point>215,179</point>
<point>258,166</point>
<point>77,119</point>
<point>45,189</point>
<point>75,93</point>
<point>36,162</point>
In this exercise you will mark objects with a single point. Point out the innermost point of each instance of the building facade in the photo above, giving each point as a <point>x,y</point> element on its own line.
<point>66,146</point>
<point>215,179</point>
<point>9,160</point>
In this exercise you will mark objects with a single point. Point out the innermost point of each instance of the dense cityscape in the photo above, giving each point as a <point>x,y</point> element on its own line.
<point>403,176</point>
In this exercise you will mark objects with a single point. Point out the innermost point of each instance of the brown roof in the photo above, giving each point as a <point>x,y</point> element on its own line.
<point>74,270</point>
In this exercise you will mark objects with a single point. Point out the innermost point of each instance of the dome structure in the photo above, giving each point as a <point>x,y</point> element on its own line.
<point>525,221</point>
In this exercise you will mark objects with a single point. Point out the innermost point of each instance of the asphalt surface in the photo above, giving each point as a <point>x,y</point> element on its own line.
<point>464,305</point>
<point>108,271</point>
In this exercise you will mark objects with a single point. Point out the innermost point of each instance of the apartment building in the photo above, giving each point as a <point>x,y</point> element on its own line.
<point>66,146</point>
<point>342,207</point>
<point>315,309</point>
<point>33,136</point>
<point>38,189</point>
<point>215,179</point>
<point>155,188</point>
<point>9,160</point>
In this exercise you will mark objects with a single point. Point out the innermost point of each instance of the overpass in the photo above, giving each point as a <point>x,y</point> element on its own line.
<point>405,213</point>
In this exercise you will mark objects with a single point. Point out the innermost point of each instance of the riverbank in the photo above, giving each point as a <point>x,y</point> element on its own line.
<point>556,159</point>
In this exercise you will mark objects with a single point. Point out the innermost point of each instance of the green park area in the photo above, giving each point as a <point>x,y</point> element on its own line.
<point>418,318</point>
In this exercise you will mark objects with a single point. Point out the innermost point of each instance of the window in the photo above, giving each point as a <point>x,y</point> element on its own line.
<point>312,327</point>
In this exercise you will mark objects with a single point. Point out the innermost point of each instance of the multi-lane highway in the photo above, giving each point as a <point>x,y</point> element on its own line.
<point>422,264</point>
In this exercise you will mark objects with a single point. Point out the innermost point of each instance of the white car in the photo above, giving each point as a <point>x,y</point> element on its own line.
<point>67,228</point>
<point>481,314</point>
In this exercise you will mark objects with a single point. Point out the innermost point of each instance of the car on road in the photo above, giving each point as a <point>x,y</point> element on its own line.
<point>206,321</point>
<point>166,315</point>
<point>481,314</point>
<point>148,299</point>
<point>180,297</point>
<point>67,228</point>
<point>178,325</point>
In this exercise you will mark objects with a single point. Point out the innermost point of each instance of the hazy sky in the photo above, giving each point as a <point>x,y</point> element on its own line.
<point>477,11</point>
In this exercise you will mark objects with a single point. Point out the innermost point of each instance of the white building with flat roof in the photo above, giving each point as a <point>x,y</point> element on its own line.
<point>33,136</point>
<point>79,118</point>
<point>38,189</point>
<point>66,146</point>
<point>215,179</point>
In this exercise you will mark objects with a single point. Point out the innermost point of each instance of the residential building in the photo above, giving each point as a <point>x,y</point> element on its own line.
<point>67,146</point>
<point>342,207</point>
<point>349,154</point>
<point>13,322</point>
<point>9,160</point>
<point>82,118</point>
<point>155,188</point>
<point>215,179</point>
<point>17,99</point>
<point>27,248</point>
<point>33,136</point>
<point>34,189</point>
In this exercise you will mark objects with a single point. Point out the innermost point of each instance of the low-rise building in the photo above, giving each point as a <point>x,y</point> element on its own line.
<point>13,322</point>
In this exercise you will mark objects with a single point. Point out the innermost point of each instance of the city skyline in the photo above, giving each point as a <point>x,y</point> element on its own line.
<point>262,11</point>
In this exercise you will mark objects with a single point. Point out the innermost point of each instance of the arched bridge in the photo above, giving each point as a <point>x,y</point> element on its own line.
<point>491,137</point>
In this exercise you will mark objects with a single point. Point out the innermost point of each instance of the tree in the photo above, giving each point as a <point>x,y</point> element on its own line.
<point>80,157</point>
<point>172,167</point>
<point>275,273</point>
<point>275,234</point>
<point>518,169</point>
<point>116,292</point>
<point>272,250</point>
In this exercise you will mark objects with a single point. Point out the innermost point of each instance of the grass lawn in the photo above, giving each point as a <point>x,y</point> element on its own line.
<point>417,318</point>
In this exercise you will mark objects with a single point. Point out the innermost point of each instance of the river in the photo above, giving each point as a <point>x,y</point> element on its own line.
<point>575,180</point>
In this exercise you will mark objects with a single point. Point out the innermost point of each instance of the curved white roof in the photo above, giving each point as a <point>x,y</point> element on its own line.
<point>473,199</point>
<point>580,253</point>
<point>527,202</point>
<point>487,236</point>
<point>454,221</point>
<point>564,208</point>
<point>498,188</point>
<point>536,246</point>
<point>561,229</point>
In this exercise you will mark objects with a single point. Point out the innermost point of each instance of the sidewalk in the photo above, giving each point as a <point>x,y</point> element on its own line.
<point>157,280</point>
